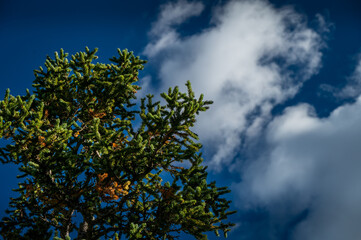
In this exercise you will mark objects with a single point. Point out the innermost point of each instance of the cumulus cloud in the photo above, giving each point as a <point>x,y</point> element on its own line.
<point>251,58</point>
<point>312,163</point>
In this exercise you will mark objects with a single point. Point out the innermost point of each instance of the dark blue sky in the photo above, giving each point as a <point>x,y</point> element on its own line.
<point>30,30</point>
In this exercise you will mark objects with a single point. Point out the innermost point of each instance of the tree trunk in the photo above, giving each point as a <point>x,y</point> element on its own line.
<point>83,230</point>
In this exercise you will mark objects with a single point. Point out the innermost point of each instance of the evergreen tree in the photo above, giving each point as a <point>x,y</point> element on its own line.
<point>86,168</point>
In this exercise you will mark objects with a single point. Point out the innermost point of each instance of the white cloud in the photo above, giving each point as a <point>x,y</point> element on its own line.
<point>171,15</point>
<point>145,87</point>
<point>352,88</point>
<point>242,62</point>
<point>312,163</point>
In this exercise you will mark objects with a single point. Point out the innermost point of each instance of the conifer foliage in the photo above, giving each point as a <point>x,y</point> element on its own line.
<point>86,168</point>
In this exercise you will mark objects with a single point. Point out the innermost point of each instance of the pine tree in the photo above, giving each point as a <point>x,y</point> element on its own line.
<point>85,166</point>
